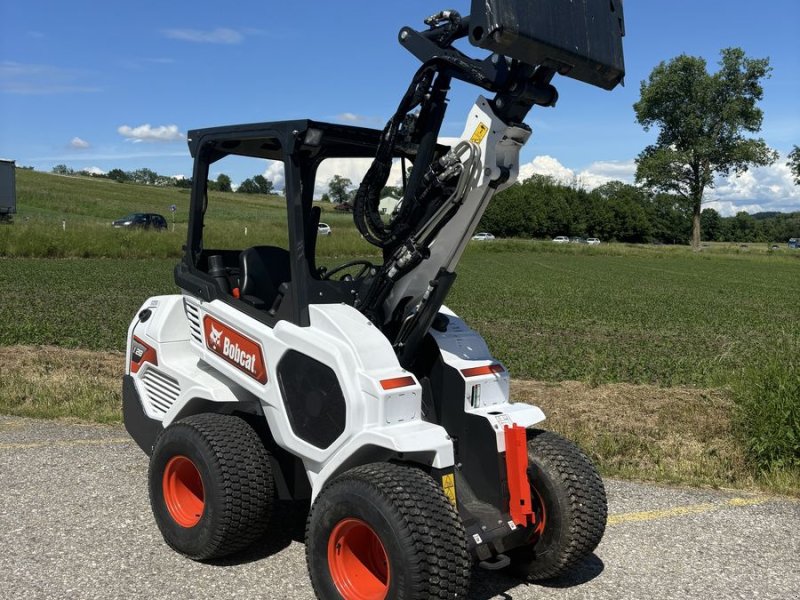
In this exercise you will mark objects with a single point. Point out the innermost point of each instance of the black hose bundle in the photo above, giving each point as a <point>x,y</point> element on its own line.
<point>366,213</point>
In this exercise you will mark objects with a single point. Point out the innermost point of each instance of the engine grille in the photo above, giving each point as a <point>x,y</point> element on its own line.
<point>161,390</point>
<point>193,316</point>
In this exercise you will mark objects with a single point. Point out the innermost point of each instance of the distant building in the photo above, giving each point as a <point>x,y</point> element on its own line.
<point>388,205</point>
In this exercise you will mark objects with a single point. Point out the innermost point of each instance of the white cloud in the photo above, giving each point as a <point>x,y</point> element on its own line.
<point>78,143</point>
<point>759,189</point>
<point>353,169</point>
<point>595,175</point>
<point>349,117</point>
<point>146,133</point>
<point>94,171</point>
<point>221,35</point>
<point>549,166</point>
<point>603,171</point>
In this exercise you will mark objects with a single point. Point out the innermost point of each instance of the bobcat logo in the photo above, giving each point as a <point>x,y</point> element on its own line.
<point>215,337</point>
<point>236,348</point>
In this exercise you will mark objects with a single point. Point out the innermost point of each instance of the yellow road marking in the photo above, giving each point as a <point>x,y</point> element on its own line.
<point>63,443</point>
<point>681,511</point>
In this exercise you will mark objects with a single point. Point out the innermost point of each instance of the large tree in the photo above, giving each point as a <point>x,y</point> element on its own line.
<point>794,164</point>
<point>702,121</point>
<point>338,189</point>
<point>224,183</point>
<point>263,184</point>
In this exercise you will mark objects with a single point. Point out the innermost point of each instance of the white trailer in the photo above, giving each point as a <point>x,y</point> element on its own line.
<point>8,190</point>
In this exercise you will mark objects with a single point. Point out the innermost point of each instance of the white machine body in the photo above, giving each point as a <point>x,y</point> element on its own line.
<point>187,371</point>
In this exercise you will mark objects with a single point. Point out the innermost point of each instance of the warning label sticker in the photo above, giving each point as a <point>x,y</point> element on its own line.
<point>480,132</point>
<point>449,487</point>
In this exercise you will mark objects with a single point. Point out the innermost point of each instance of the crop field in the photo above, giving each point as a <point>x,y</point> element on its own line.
<point>664,320</point>
<point>663,363</point>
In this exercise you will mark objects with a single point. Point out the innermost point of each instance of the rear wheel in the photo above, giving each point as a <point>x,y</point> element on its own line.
<point>570,503</point>
<point>211,486</point>
<point>386,531</point>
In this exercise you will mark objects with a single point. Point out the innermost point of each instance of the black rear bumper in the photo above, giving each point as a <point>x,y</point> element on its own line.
<point>142,429</point>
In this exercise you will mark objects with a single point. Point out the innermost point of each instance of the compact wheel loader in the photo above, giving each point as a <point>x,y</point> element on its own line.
<point>355,387</point>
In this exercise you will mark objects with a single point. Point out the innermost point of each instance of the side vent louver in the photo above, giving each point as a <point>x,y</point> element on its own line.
<point>193,316</point>
<point>161,390</point>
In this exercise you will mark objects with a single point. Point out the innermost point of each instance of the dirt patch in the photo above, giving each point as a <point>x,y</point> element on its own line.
<point>647,432</point>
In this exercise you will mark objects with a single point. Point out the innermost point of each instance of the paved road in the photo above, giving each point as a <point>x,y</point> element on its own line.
<point>75,523</point>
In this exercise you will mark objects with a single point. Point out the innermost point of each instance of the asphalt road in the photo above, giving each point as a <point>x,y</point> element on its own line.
<point>75,522</point>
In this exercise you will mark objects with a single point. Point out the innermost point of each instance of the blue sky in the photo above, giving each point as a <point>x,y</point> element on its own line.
<point>99,86</point>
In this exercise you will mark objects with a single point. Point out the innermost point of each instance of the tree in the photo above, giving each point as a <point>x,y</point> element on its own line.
<point>62,170</point>
<point>392,192</point>
<point>263,184</point>
<point>223,183</point>
<point>248,186</point>
<point>711,225</point>
<point>337,189</point>
<point>118,175</point>
<point>702,121</point>
<point>794,164</point>
<point>146,176</point>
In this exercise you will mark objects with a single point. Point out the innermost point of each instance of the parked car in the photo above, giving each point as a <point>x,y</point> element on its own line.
<point>142,220</point>
<point>593,241</point>
<point>323,229</point>
<point>561,239</point>
<point>483,237</point>
<point>794,243</point>
<point>578,240</point>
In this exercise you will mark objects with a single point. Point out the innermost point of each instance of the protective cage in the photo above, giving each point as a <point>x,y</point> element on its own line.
<point>581,39</point>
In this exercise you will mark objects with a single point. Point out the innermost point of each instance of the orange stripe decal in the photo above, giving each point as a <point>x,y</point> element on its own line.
<point>397,382</point>
<point>484,370</point>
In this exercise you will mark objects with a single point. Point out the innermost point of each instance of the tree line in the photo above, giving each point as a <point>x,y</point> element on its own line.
<point>257,184</point>
<point>540,207</point>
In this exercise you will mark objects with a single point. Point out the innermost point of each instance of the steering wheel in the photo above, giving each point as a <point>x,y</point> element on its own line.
<point>366,266</point>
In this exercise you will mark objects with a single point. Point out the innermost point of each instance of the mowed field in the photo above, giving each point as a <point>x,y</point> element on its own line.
<point>645,355</point>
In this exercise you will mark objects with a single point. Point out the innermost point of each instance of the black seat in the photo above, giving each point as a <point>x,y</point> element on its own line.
<point>263,270</point>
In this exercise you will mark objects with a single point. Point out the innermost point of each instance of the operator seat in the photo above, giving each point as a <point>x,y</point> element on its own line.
<point>263,270</point>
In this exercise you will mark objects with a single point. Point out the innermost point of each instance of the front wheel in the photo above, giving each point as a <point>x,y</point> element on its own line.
<point>386,531</point>
<point>570,501</point>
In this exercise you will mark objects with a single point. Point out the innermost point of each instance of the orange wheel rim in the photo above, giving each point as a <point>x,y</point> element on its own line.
<point>358,562</point>
<point>183,491</point>
<point>539,512</point>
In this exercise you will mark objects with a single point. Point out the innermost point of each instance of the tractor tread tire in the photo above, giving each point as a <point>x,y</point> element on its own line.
<point>241,484</point>
<point>431,532</point>
<point>582,498</point>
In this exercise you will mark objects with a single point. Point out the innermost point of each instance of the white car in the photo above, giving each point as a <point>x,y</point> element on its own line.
<point>561,239</point>
<point>483,237</point>
<point>593,241</point>
<point>323,229</point>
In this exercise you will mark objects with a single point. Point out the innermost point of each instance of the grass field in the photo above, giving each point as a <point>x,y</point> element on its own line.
<point>639,319</point>
<point>664,364</point>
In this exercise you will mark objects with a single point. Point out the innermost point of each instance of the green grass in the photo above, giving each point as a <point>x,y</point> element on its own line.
<point>70,217</point>
<point>659,318</point>
<point>665,320</point>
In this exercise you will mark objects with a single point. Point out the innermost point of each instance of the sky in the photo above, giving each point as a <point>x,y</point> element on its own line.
<point>118,85</point>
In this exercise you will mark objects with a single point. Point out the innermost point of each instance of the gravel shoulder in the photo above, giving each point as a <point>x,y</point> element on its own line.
<point>75,523</point>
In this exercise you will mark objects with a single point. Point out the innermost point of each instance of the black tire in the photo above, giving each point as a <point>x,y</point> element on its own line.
<point>422,550</point>
<point>230,508</point>
<point>567,489</point>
